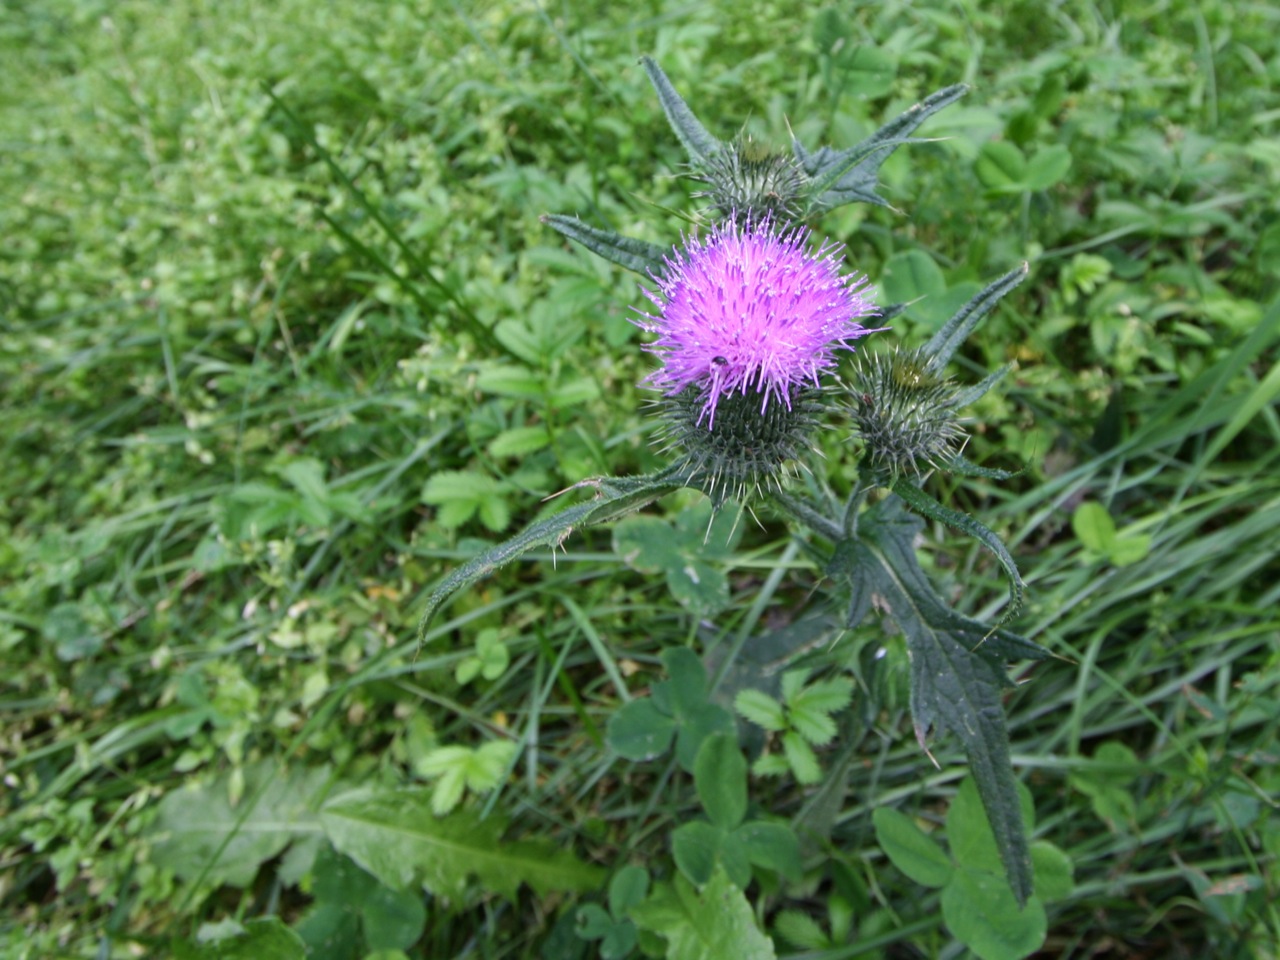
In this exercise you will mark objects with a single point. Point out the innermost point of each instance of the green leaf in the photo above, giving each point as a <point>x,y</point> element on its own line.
<point>460,493</point>
<point>801,930</point>
<point>814,725</point>
<point>801,759</point>
<point>638,731</point>
<point>969,832</point>
<point>200,835</point>
<point>720,777</point>
<point>868,71</point>
<point>857,168</point>
<point>635,255</point>
<point>265,938</point>
<point>714,924</point>
<point>910,850</point>
<point>693,136</point>
<point>629,886</point>
<point>518,442</point>
<point>682,555</point>
<point>349,900</point>
<point>696,725</point>
<point>1053,870</point>
<point>773,846</point>
<point>1048,168</point>
<point>761,709</point>
<point>593,922</point>
<point>1095,528</point>
<point>394,835</point>
<point>696,849</point>
<point>983,914</point>
<point>614,498</point>
<point>943,344</point>
<point>829,696</point>
<point>1001,167</point>
<point>910,275</point>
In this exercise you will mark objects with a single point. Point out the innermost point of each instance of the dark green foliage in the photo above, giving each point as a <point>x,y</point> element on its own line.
<point>270,269</point>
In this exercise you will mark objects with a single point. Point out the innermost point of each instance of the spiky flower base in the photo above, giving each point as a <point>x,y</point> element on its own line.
<point>905,414</point>
<point>748,450</point>
<point>747,182</point>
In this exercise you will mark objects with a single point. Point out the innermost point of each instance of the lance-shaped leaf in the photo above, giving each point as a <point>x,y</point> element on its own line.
<point>615,497</point>
<point>857,180</point>
<point>921,502</point>
<point>394,835</point>
<point>957,672</point>
<point>943,344</point>
<point>977,391</point>
<point>693,135</point>
<point>638,255</point>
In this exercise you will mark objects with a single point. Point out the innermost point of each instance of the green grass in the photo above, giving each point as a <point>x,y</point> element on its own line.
<point>270,268</point>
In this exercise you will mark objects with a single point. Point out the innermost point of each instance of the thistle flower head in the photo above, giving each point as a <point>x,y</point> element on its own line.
<point>747,320</point>
<point>905,413</point>
<point>752,310</point>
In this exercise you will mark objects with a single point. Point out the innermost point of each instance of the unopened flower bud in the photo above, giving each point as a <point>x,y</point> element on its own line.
<point>905,414</point>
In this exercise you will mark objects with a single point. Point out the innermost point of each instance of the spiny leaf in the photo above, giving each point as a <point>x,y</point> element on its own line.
<point>638,255</point>
<point>943,344</point>
<point>956,674</point>
<point>856,181</point>
<point>693,135</point>
<point>921,502</point>
<point>614,498</point>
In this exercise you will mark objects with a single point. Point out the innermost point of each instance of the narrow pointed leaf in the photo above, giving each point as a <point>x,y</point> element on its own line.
<point>943,345</point>
<point>394,835</point>
<point>614,498</point>
<point>921,502</point>
<point>978,390</point>
<point>857,182</point>
<point>956,673</point>
<point>693,135</point>
<point>965,468</point>
<point>638,255</point>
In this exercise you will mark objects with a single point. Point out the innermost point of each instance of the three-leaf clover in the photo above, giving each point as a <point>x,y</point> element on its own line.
<point>803,720</point>
<point>490,660</point>
<point>457,769</point>
<point>977,905</point>
<point>678,710</point>
<point>690,553</point>
<point>723,839</point>
<point>613,928</point>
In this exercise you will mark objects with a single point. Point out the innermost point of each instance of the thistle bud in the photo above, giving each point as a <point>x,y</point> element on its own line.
<point>905,414</point>
<point>747,320</point>
<point>747,182</point>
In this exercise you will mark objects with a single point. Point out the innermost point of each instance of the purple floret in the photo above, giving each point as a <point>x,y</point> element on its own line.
<point>751,308</point>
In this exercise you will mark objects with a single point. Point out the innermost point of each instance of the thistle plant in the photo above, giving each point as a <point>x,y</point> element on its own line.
<point>749,318</point>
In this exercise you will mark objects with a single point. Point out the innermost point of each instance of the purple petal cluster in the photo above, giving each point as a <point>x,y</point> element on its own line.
<point>751,308</point>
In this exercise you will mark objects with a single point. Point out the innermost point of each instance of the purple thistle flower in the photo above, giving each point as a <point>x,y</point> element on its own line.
<point>751,308</point>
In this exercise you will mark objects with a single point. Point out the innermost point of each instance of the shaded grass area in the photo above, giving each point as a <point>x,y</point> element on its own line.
<point>272,269</point>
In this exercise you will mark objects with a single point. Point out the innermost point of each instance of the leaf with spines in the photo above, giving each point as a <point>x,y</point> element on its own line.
<point>700,144</point>
<point>614,498</point>
<point>957,669</point>
<point>859,166</point>
<point>638,255</point>
<point>943,344</point>
<point>921,502</point>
